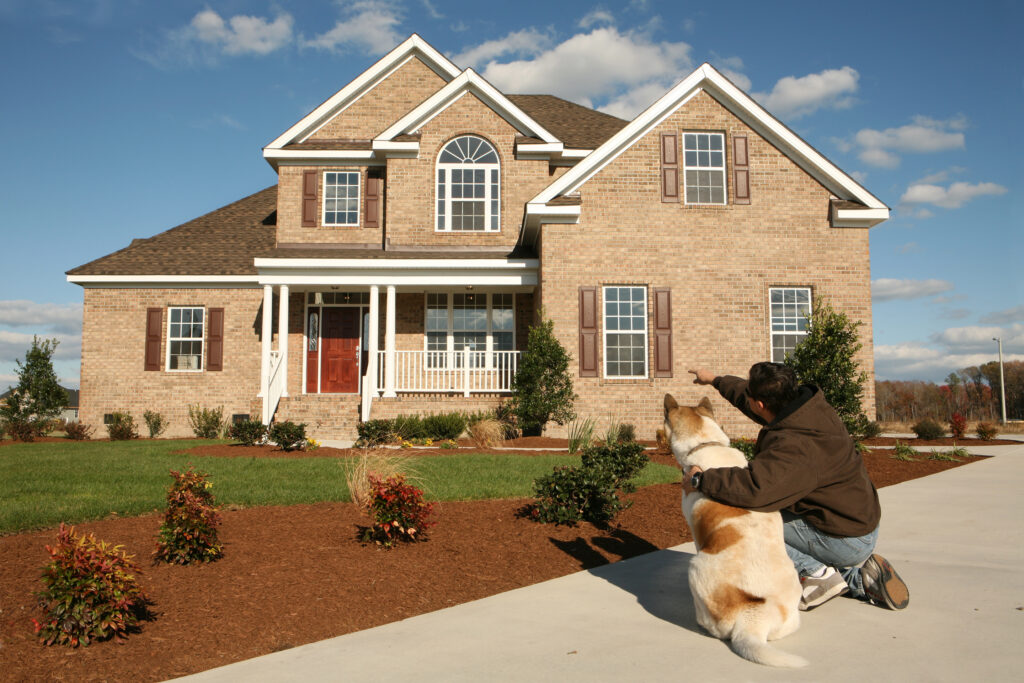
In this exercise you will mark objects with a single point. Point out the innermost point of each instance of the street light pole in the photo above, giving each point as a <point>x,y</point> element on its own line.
<point>1002,382</point>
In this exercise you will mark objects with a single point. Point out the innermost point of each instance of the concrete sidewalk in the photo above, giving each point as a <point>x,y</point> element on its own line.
<point>957,538</point>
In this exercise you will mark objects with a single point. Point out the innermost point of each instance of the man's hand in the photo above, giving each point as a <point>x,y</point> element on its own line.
<point>687,476</point>
<point>702,376</point>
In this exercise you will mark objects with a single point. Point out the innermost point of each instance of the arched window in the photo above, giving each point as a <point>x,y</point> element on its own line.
<point>468,196</point>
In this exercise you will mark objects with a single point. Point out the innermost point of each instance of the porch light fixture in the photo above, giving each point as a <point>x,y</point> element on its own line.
<point>318,299</point>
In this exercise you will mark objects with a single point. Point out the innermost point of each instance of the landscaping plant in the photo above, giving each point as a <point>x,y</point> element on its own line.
<point>90,591</point>
<point>444,426</point>
<point>928,429</point>
<point>408,427</point>
<point>902,451</point>
<point>155,422</point>
<point>121,427</point>
<point>986,431</point>
<point>398,512</point>
<point>77,431</point>
<point>542,387</point>
<point>206,423</point>
<point>248,432</point>
<point>581,433</point>
<point>486,432</point>
<point>374,433</point>
<point>288,435</point>
<point>744,446</point>
<point>38,397</point>
<point>189,530</point>
<point>957,425</point>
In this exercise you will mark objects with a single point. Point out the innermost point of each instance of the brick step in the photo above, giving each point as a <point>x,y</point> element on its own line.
<point>327,416</point>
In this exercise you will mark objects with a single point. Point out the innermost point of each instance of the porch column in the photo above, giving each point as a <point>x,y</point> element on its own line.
<point>373,342</point>
<point>268,315</point>
<point>282,338</point>
<point>389,345</point>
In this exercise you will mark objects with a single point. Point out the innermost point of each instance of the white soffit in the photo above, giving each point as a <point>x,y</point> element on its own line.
<point>404,272</point>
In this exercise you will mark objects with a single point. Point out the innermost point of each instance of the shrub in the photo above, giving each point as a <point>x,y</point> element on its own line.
<point>359,470</point>
<point>155,422</point>
<point>542,387</point>
<point>503,414</point>
<point>398,512</point>
<point>904,452</point>
<point>957,425</point>
<point>986,431</point>
<point>449,444</point>
<point>928,429</point>
<point>486,432</point>
<point>872,430</point>
<point>248,432</point>
<point>121,427</point>
<point>90,591</point>
<point>206,423</point>
<point>189,530</point>
<point>581,433</point>
<point>38,397</point>
<point>408,427</point>
<point>623,459</point>
<point>444,425</point>
<point>744,446</point>
<point>21,430</point>
<point>288,435</point>
<point>77,431</point>
<point>374,433</point>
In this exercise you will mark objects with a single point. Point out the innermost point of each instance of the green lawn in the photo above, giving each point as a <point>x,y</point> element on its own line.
<point>43,484</point>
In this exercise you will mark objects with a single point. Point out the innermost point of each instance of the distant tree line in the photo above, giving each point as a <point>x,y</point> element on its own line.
<point>973,392</point>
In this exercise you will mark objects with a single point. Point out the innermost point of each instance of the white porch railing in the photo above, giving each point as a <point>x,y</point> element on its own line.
<point>463,371</point>
<point>275,387</point>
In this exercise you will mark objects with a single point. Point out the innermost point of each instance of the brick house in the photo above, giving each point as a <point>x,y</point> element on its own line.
<point>422,220</point>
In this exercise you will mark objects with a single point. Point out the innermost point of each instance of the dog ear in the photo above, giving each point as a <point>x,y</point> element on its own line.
<point>704,408</point>
<point>670,404</point>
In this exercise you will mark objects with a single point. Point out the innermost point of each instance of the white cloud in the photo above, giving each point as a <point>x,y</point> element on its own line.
<point>597,16</point>
<point>242,34</point>
<point>915,361</point>
<point>368,24</point>
<point>13,346</point>
<point>1009,315</point>
<point>604,64</point>
<point>887,289</point>
<point>977,338</point>
<point>793,97</point>
<point>65,318</point>
<point>527,42</point>
<point>431,10</point>
<point>923,136</point>
<point>952,197</point>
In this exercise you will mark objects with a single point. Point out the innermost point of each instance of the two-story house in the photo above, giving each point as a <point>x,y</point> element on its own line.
<point>423,220</point>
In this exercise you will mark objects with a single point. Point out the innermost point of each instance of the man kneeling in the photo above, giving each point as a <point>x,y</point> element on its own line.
<point>807,466</point>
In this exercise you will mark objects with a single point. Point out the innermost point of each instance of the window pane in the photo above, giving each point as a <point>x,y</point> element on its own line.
<point>625,324</point>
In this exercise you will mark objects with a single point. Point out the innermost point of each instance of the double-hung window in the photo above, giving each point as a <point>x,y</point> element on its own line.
<point>185,338</point>
<point>625,332</point>
<point>704,168</point>
<point>790,310</point>
<point>468,187</point>
<point>341,198</point>
<point>483,323</point>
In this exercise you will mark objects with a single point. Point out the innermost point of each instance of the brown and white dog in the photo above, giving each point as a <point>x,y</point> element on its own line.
<point>744,586</point>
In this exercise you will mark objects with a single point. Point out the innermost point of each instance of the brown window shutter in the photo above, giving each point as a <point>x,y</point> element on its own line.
<point>669,167</point>
<point>588,332</point>
<point>310,180</point>
<point>662,332</point>
<point>215,340</point>
<point>371,218</point>
<point>154,328</point>
<point>741,170</point>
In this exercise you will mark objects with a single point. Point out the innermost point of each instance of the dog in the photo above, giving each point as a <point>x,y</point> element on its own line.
<point>745,588</point>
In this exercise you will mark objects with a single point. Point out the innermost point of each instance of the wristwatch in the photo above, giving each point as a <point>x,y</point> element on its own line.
<point>696,479</point>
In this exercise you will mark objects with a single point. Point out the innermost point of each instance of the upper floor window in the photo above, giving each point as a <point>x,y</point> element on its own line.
<point>341,198</point>
<point>468,195</point>
<point>185,339</point>
<point>790,310</point>
<point>704,168</point>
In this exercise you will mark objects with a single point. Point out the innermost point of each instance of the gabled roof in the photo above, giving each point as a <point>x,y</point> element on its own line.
<point>706,78</point>
<point>576,126</point>
<point>414,46</point>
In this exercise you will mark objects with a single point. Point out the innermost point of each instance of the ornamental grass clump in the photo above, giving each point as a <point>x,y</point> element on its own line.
<point>398,512</point>
<point>91,592</point>
<point>189,531</point>
<point>486,432</point>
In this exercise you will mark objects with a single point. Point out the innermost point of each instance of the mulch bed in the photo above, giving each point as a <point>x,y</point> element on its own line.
<point>966,442</point>
<point>294,575</point>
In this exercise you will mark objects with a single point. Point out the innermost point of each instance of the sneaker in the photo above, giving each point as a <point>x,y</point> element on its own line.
<point>883,585</point>
<point>817,590</point>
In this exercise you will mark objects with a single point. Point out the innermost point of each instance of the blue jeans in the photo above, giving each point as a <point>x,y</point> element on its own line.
<point>811,549</point>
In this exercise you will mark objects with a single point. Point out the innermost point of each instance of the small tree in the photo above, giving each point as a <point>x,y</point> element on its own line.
<point>38,398</point>
<point>825,358</point>
<point>542,388</point>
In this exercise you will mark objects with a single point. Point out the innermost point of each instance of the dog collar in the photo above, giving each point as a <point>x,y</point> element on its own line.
<point>705,445</point>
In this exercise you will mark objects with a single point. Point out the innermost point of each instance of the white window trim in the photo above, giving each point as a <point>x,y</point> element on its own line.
<point>605,332</point>
<point>724,168</point>
<point>489,349</point>
<point>448,168</point>
<point>359,200</point>
<point>771,332</point>
<point>202,355</point>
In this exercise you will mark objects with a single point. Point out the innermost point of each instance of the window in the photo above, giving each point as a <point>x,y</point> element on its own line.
<point>625,332</point>
<point>341,198</point>
<point>467,186</point>
<point>704,168</point>
<point>185,339</point>
<point>483,322</point>
<point>790,308</point>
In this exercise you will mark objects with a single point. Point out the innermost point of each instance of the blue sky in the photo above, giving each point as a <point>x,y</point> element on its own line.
<point>124,118</point>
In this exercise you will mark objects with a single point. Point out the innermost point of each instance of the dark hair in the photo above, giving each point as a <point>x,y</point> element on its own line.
<point>774,384</point>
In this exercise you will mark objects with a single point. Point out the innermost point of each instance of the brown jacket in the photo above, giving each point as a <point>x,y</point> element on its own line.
<point>805,463</point>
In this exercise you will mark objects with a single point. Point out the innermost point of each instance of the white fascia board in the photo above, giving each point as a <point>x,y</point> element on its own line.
<point>859,218</point>
<point>547,150</point>
<point>189,281</point>
<point>364,278</point>
<point>271,264</point>
<point>397,149</point>
<point>576,153</point>
<point>468,81</point>
<point>554,214</point>
<point>365,82</point>
<point>318,155</point>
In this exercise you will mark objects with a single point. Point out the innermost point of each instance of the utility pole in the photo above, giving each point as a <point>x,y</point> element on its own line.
<point>1002,382</point>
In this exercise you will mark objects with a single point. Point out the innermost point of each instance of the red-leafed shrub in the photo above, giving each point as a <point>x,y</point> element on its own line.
<point>397,510</point>
<point>958,425</point>
<point>189,531</point>
<point>90,593</point>
<point>77,431</point>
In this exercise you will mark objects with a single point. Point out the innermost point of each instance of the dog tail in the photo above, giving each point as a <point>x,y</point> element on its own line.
<point>756,648</point>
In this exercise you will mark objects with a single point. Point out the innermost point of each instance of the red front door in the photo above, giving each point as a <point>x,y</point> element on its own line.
<point>339,351</point>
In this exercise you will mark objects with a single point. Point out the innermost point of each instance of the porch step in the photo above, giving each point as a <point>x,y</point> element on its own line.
<point>327,416</point>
